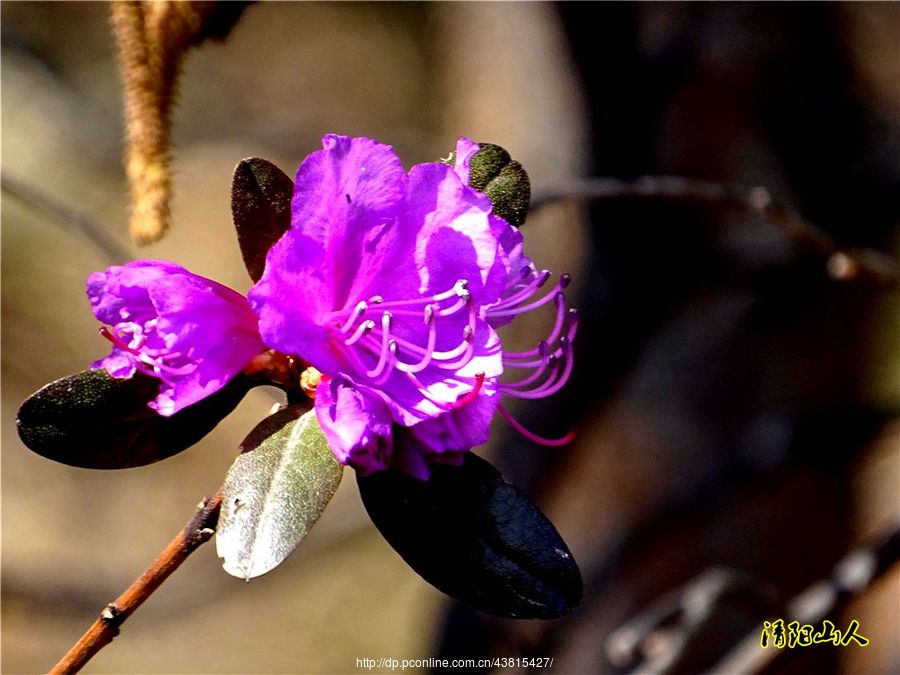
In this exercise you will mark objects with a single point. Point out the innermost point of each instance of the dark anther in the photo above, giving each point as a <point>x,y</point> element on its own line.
<point>349,201</point>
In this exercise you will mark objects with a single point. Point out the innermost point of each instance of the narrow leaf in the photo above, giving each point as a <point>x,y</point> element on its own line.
<point>477,538</point>
<point>95,421</point>
<point>261,209</point>
<point>275,492</point>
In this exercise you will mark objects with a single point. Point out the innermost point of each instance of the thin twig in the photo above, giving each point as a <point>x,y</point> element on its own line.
<point>672,634</point>
<point>843,264</point>
<point>63,214</point>
<point>853,574</point>
<point>106,627</point>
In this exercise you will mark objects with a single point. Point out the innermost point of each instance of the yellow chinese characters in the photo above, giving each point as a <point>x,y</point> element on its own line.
<point>778,635</point>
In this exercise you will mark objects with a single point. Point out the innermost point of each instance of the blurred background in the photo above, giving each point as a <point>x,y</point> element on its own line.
<point>737,387</point>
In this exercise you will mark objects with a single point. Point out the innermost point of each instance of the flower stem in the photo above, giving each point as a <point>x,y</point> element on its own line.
<point>106,627</point>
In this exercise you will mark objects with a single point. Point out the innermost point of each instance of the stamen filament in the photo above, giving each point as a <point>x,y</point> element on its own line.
<point>461,302</point>
<point>117,340</point>
<point>469,397</point>
<point>158,366</point>
<point>563,282</point>
<point>560,300</point>
<point>362,330</point>
<point>554,383</point>
<point>526,291</point>
<point>547,361</point>
<point>548,442</point>
<point>449,405</point>
<point>357,312</point>
<point>429,350</point>
<point>458,287</point>
<point>385,346</point>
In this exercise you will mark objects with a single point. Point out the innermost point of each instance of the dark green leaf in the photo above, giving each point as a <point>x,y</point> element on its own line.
<point>477,538</point>
<point>275,492</point>
<point>261,209</point>
<point>96,421</point>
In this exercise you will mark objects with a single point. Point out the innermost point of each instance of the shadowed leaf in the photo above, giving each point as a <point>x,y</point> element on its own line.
<point>261,209</point>
<point>275,492</point>
<point>95,421</point>
<point>477,538</point>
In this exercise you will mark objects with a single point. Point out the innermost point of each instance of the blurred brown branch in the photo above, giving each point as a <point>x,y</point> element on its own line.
<point>65,215</point>
<point>842,264</point>
<point>670,635</point>
<point>106,627</point>
<point>851,576</point>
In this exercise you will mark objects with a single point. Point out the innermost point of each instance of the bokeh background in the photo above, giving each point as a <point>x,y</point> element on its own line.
<point>736,396</point>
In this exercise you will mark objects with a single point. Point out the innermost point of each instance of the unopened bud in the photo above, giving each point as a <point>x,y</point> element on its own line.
<point>502,179</point>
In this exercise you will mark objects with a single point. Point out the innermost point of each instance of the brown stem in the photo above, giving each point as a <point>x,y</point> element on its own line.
<point>842,264</point>
<point>106,627</point>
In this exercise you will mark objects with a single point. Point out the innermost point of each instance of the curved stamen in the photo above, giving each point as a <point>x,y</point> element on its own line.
<point>552,369</point>
<point>548,361</point>
<point>515,424</point>
<point>468,341</point>
<point>364,328</point>
<point>541,351</point>
<point>429,350</point>
<point>159,366</point>
<point>526,291</point>
<point>469,397</point>
<point>460,286</point>
<point>117,340</point>
<point>560,301</point>
<point>467,353</point>
<point>385,346</point>
<point>357,312</point>
<point>561,284</point>
<point>436,356</point>
<point>555,382</point>
<point>466,398</point>
<point>391,362</point>
<point>465,348</point>
<point>464,299</point>
<point>573,324</point>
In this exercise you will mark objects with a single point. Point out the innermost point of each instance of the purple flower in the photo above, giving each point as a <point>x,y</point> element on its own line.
<point>392,285</point>
<point>190,332</point>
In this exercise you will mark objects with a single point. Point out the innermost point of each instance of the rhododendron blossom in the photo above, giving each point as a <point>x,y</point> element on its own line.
<point>392,285</point>
<point>192,333</point>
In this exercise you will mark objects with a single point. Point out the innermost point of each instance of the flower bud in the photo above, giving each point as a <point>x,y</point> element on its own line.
<point>502,179</point>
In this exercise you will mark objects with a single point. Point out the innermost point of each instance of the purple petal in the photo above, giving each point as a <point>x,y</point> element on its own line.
<point>454,239</point>
<point>119,364</point>
<point>356,424</point>
<point>192,333</point>
<point>465,150</point>
<point>444,439</point>
<point>347,198</point>
<point>458,430</point>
